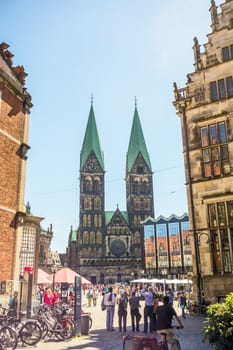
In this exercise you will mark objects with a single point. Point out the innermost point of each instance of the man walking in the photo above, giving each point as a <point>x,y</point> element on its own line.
<point>109,302</point>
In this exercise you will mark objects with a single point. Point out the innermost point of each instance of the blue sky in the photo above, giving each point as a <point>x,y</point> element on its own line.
<point>115,50</point>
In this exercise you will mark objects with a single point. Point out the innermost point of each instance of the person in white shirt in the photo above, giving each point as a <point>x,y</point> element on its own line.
<point>109,302</point>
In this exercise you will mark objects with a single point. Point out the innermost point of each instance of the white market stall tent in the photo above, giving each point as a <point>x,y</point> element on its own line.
<point>141,280</point>
<point>162,280</point>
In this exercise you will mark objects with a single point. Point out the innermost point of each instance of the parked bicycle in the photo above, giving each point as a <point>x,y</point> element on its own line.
<point>53,323</point>
<point>197,309</point>
<point>8,338</point>
<point>28,332</point>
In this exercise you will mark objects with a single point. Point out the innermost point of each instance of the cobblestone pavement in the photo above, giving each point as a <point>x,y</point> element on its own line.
<point>99,338</point>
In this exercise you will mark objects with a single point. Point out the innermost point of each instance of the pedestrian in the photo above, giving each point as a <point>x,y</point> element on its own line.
<point>109,302</point>
<point>165,314</point>
<point>39,295</point>
<point>71,298</point>
<point>48,297</point>
<point>170,295</point>
<point>89,297</point>
<point>134,302</point>
<point>148,295</point>
<point>156,304</point>
<point>94,296</point>
<point>183,304</point>
<point>122,302</point>
<point>13,304</point>
<point>55,297</point>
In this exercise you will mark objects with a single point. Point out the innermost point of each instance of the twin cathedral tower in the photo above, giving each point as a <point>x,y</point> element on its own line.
<point>108,246</point>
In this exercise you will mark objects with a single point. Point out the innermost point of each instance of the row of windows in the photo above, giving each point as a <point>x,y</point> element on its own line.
<point>87,220</point>
<point>167,242</point>
<point>141,188</point>
<point>215,155</point>
<point>90,186</point>
<point>213,134</point>
<point>221,89</point>
<point>220,217</point>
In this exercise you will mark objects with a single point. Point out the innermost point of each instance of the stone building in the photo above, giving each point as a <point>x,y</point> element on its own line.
<point>109,244</point>
<point>205,109</point>
<point>15,105</point>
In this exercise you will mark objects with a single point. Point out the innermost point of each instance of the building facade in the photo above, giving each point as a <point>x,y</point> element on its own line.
<point>15,105</point>
<point>205,109</point>
<point>109,244</point>
<point>167,247</point>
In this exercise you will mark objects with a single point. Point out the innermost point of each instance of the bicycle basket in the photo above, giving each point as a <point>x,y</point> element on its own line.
<point>139,343</point>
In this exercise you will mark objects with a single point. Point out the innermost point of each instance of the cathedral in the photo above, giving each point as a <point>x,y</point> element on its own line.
<point>108,246</point>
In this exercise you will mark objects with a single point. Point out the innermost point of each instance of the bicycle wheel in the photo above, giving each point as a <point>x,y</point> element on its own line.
<point>8,338</point>
<point>30,333</point>
<point>194,310</point>
<point>67,328</point>
<point>58,330</point>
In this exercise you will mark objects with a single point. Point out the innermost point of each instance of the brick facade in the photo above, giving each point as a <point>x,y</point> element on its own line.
<point>15,104</point>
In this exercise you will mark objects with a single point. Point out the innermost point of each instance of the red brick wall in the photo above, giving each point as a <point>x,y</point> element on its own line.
<point>11,136</point>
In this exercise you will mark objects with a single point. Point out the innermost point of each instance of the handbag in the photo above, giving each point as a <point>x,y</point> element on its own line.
<point>103,306</point>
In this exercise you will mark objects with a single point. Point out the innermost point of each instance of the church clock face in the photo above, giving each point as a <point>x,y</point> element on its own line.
<point>92,166</point>
<point>118,247</point>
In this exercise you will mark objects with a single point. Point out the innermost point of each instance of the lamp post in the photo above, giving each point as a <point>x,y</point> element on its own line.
<point>197,236</point>
<point>21,281</point>
<point>54,270</point>
<point>164,273</point>
<point>181,103</point>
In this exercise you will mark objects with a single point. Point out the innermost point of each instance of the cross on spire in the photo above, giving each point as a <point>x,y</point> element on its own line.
<point>135,101</point>
<point>92,98</point>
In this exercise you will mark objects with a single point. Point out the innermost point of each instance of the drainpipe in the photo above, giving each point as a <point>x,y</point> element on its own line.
<point>196,242</point>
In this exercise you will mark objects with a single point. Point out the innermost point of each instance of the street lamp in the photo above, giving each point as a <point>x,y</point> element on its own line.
<point>197,240</point>
<point>164,273</point>
<point>54,270</point>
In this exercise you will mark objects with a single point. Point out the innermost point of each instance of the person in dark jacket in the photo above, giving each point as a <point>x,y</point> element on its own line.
<point>165,314</point>
<point>122,302</point>
<point>183,304</point>
<point>134,311</point>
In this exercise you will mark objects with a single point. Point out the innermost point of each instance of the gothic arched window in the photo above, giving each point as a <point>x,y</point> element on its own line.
<point>145,186</point>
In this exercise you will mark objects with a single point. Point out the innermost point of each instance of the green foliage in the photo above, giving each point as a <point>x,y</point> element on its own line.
<point>218,330</point>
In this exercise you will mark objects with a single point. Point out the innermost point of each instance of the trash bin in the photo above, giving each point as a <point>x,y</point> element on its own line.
<point>85,324</point>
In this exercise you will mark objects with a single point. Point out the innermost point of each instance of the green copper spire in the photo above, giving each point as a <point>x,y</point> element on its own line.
<point>91,142</point>
<point>137,143</point>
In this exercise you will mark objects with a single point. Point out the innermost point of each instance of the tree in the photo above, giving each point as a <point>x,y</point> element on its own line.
<point>218,330</point>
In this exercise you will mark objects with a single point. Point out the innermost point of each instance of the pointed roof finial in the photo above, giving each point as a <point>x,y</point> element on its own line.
<point>135,101</point>
<point>92,98</point>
